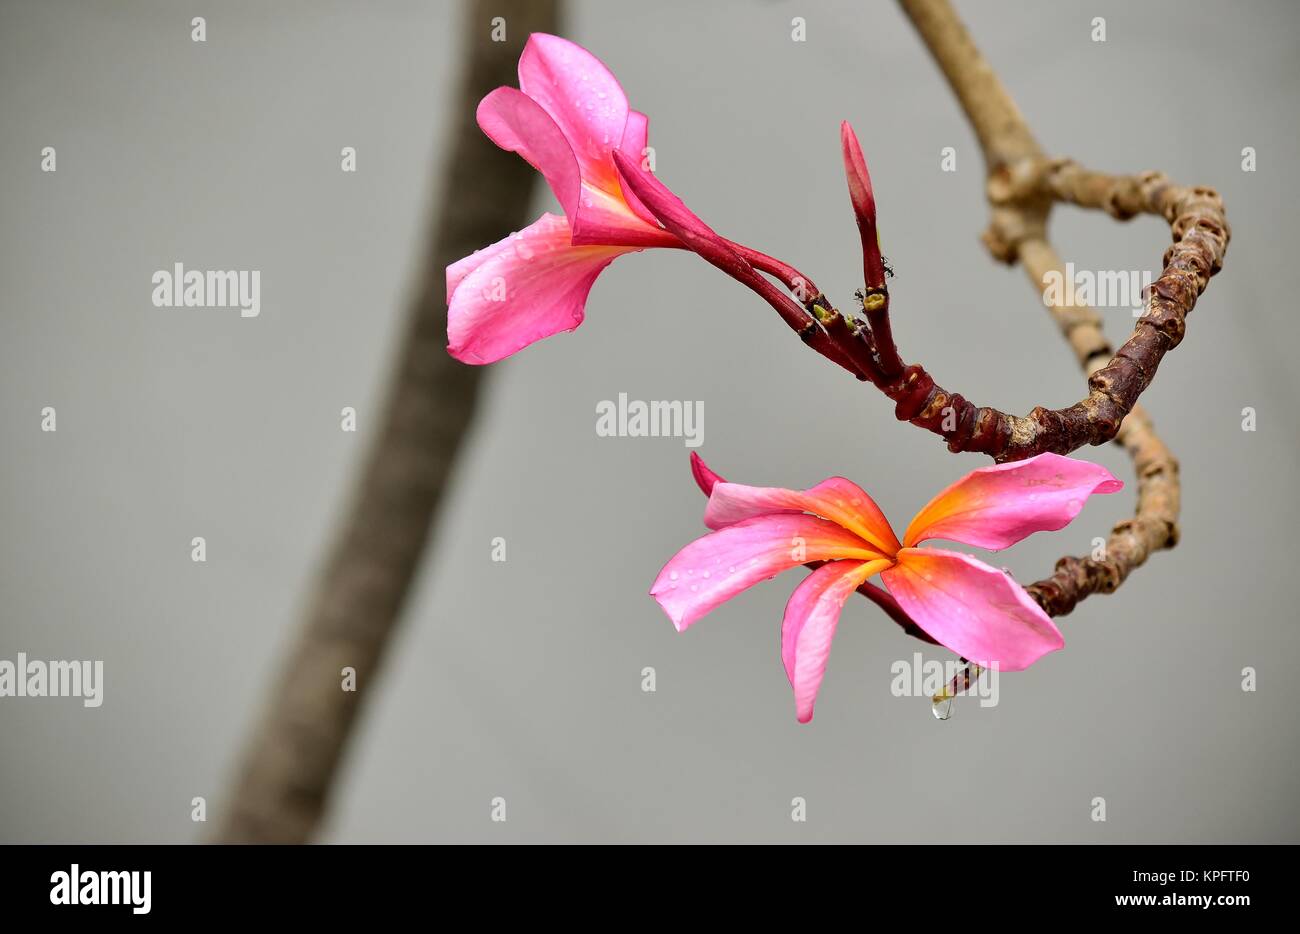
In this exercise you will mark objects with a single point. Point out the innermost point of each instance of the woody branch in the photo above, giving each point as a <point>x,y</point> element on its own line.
<point>1022,186</point>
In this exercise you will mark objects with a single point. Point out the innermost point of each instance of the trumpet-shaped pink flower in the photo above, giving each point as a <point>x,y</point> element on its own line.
<point>976,610</point>
<point>566,118</point>
<point>570,119</point>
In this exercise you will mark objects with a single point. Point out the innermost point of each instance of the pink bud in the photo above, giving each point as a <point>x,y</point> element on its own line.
<point>864,206</point>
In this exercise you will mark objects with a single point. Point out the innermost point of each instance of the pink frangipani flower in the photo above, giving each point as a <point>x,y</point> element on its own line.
<point>568,118</point>
<point>976,610</point>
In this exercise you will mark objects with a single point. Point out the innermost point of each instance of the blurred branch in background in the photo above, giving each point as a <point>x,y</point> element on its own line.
<point>288,767</point>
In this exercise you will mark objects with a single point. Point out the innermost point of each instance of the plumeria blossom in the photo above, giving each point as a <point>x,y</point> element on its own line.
<point>566,118</point>
<point>570,119</point>
<point>976,610</point>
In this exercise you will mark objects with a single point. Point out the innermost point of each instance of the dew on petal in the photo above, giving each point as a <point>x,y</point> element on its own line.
<point>522,249</point>
<point>672,576</point>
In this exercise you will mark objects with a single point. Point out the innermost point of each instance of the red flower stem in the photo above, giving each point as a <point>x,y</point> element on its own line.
<point>804,289</point>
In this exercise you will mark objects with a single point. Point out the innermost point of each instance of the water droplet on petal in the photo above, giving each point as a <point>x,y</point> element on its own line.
<point>694,587</point>
<point>706,573</point>
<point>522,249</point>
<point>672,576</point>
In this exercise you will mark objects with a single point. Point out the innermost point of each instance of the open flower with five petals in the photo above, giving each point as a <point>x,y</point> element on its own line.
<point>976,610</point>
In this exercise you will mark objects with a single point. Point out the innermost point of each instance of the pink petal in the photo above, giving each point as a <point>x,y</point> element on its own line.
<point>837,499</point>
<point>636,135</point>
<point>636,139</point>
<point>584,180</point>
<point>583,98</point>
<point>995,507</point>
<point>531,285</point>
<point>809,625</point>
<point>606,219</point>
<point>705,478</point>
<point>517,123</point>
<point>973,609</point>
<point>713,569</point>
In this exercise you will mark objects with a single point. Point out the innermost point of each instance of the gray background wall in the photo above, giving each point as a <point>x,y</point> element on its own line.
<point>523,679</point>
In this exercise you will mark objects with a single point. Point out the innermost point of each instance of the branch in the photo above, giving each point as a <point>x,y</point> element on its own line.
<point>290,762</point>
<point>1200,240</point>
<point>1022,186</point>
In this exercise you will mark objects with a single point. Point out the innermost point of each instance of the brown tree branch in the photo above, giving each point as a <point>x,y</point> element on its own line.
<point>1200,240</point>
<point>1022,186</point>
<point>290,762</point>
